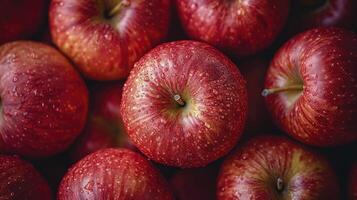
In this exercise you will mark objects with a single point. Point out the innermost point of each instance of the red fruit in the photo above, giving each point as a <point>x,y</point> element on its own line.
<point>238,27</point>
<point>20,19</point>
<point>308,14</point>
<point>353,183</point>
<point>184,104</point>
<point>105,127</point>
<point>312,87</point>
<point>113,174</point>
<point>105,38</point>
<point>43,99</point>
<point>195,184</point>
<point>20,180</point>
<point>272,167</point>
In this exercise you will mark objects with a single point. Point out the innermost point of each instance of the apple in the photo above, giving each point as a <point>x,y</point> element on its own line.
<point>238,27</point>
<point>308,14</point>
<point>254,70</point>
<point>113,174</point>
<point>104,128</point>
<point>311,87</point>
<point>184,104</point>
<point>353,182</point>
<point>105,38</point>
<point>273,167</point>
<point>194,184</point>
<point>20,180</point>
<point>43,99</point>
<point>20,19</point>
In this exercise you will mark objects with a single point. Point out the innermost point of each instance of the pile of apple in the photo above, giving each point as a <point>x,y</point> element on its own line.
<point>178,99</point>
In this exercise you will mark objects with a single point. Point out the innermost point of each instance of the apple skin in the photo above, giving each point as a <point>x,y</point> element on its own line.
<point>193,184</point>
<point>238,27</point>
<point>214,110</point>
<point>104,128</point>
<point>254,70</point>
<point>353,182</point>
<point>20,180</point>
<point>114,174</point>
<point>324,112</point>
<point>252,172</point>
<point>341,13</point>
<point>20,19</point>
<point>105,48</point>
<point>43,99</point>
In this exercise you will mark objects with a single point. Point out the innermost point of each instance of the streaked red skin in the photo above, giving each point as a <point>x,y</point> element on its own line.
<point>104,128</point>
<point>341,13</point>
<point>353,182</point>
<point>20,19</point>
<point>326,111</point>
<point>117,174</point>
<point>20,180</point>
<point>211,122</point>
<point>254,71</point>
<point>107,49</point>
<point>238,27</point>
<point>43,99</point>
<point>252,171</point>
<point>194,184</point>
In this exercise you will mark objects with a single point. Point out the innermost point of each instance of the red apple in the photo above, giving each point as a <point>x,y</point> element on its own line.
<point>308,14</point>
<point>238,27</point>
<point>312,87</point>
<point>353,183</point>
<point>104,128</point>
<point>20,19</point>
<point>254,71</point>
<point>43,99</point>
<point>272,167</point>
<point>20,180</point>
<point>113,174</point>
<point>195,184</point>
<point>184,104</point>
<point>105,38</point>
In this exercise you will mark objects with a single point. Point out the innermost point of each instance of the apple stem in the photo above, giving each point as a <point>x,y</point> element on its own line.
<point>179,100</point>
<point>267,92</point>
<point>118,7</point>
<point>279,184</point>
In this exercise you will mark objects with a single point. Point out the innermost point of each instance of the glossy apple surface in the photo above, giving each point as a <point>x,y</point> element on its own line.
<point>237,27</point>
<point>312,87</point>
<point>43,99</point>
<point>20,19</point>
<point>272,167</point>
<point>20,180</point>
<point>184,104</point>
<point>308,14</point>
<point>117,174</point>
<point>105,38</point>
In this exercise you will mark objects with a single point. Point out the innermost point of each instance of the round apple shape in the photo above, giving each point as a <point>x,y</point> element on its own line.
<point>237,27</point>
<point>43,99</point>
<point>308,14</point>
<point>273,167</point>
<point>312,87</point>
<point>114,174</point>
<point>184,104</point>
<point>20,19</point>
<point>105,38</point>
<point>20,180</point>
<point>353,182</point>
